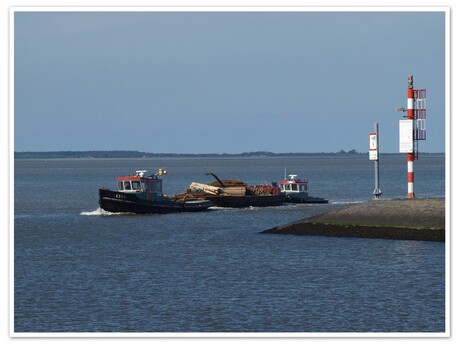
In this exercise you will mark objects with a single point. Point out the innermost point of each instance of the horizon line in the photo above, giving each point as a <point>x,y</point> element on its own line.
<point>260,152</point>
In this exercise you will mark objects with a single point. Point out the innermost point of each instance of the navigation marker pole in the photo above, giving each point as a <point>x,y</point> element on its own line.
<point>410,155</point>
<point>374,156</point>
<point>412,130</point>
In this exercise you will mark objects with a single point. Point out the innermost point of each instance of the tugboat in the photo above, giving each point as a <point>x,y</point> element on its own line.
<point>139,194</point>
<point>296,191</point>
<point>237,194</point>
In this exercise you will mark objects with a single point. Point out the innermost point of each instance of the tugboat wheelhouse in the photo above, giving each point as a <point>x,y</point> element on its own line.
<point>296,191</point>
<point>140,184</point>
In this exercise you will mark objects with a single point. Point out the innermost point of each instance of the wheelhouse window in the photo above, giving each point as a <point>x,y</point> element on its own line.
<point>136,185</point>
<point>127,185</point>
<point>155,186</point>
<point>287,187</point>
<point>294,187</point>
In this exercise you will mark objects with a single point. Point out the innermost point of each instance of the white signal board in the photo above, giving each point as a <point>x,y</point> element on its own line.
<point>406,136</point>
<point>373,146</point>
<point>373,141</point>
<point>373,155</point>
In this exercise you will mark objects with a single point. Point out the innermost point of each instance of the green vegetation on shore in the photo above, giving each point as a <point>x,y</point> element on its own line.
<point>382,224</point>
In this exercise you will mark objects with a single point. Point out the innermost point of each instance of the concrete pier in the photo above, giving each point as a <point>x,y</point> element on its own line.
<point>399,219</point>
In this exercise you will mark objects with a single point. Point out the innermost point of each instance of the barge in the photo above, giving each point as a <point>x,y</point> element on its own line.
<point>237,194</point>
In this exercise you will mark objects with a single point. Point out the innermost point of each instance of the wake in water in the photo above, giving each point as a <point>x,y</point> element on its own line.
<point>346,202</point>
<point>101,212</point>
<point>219,208</point>
<point>252,208</point>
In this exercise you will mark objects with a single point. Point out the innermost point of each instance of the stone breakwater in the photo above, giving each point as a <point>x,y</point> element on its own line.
<point>398,219</point>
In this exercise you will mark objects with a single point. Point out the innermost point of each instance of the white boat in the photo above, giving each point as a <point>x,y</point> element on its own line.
<point>296,191</point>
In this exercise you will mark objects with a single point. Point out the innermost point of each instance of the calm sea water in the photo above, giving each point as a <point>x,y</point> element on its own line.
<point>77,269</point>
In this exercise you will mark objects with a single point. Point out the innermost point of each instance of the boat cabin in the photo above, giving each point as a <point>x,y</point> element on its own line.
<point>294,185</point>
<point>150,185</point>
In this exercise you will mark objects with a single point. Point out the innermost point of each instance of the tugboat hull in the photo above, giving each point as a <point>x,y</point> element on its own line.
<point>246,201</point>
<point>112,201</point>
<point>304,199</point>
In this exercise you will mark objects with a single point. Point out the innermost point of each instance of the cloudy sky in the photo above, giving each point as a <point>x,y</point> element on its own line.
<point>214,82</point>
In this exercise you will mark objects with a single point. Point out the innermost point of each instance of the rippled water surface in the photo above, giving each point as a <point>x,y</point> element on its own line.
<point>79,269</point>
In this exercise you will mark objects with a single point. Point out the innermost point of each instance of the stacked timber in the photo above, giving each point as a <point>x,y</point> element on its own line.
<point>232,190</point>
<point>262,190</point>
<point>236,193</point>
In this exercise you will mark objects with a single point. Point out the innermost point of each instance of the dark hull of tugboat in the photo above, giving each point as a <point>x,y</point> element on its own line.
<point>246,201</point>
<point>305,199</point>
<point>112,201</point>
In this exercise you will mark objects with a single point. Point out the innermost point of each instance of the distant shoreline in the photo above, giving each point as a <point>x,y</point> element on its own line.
<point>139,154</point>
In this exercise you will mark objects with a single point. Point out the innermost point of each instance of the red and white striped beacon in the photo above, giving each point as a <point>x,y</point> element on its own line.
<point>410,155</point>
<point>412,130</point>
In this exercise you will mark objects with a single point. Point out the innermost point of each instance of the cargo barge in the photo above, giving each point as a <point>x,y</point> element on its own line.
<point>237,194</point>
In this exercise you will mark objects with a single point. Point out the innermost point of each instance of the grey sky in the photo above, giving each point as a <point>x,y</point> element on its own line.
<point>188,82</point>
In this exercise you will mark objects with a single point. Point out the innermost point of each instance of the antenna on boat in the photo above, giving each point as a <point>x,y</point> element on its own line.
<point>285,173</point>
